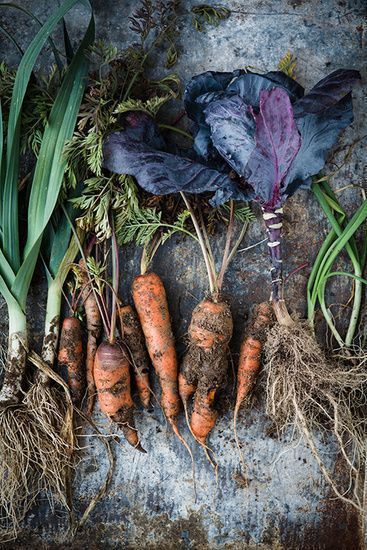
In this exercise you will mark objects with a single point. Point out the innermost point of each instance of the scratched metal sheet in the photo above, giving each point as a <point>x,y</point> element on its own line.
<point>151,502</point>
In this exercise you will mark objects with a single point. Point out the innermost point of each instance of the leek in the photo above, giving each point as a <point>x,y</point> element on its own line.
<point>17,267</point>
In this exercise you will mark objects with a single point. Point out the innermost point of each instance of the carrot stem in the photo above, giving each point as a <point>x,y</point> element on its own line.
<point>115,286</point>
<point>210,270</point>
<point>100,303</point>
<point>237,243</point>
<point>206,238</point>
<point>227,247</point>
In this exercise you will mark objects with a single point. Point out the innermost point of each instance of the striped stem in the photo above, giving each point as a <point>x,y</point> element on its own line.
<point>274,222</point>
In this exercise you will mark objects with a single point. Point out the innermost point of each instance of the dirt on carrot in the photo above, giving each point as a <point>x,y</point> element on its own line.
<point>249,365</point>
<point>94,327</point>
<point>133,337</point>
<point>151,305</point>
<point>112,379</point>
<point>70,357</point>
<point>204,368</point>
<point>251,349</point>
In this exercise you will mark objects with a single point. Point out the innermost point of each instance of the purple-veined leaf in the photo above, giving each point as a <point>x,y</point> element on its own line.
<point>139,151</point>
<point>291,86</point>
<point>204,149</point>
<point>319,133</point>
<point>232,130</point>
<point>250,85</point>
<point>327,92</point>
<point>201,84</point>
<point>277,143</point>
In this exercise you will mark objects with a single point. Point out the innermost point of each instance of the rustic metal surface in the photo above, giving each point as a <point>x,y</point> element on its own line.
<point>151,501</point>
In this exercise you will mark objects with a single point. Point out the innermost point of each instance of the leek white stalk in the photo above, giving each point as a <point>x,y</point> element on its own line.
<point>17,354</point>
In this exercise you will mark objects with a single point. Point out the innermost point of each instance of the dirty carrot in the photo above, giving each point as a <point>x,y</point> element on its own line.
<point>151,305</point>
<point>250,353</point>
<point>249,362</point>
<point>112,380</point>
<point>70,357</point>
<point>94,326</point>
<point>133,337</point>
<point>205,364</point>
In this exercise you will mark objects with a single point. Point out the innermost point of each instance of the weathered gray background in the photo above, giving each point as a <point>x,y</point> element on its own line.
<point>151,503</point>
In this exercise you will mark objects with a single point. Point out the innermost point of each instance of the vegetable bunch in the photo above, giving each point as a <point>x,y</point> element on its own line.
<point>257,137</point>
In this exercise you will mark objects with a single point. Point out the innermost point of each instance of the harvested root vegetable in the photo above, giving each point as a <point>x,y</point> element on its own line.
<point>151,305</point>
<point>250,361</point>
<point>250,353</point>
<point>133,338</point>
<point>204,368</point>
<point>112,380</point>
<point>94,328</point>
<point>131,152</point>
<point>71,359</point>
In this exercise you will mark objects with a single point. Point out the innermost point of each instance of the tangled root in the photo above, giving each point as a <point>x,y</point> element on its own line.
<point>317,395</point>
<point>47,411</point>
<point>19,468</point>
<point>36,445</point>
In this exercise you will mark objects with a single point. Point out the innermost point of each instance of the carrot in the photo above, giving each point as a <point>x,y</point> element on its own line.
<point>70,357</point>
<point>204,415</point>
<point>249,361</point>
<point>94,326</point>
<point>133,338</point>
<point>112,379</point>
<point>151,305</point>
<point>205,364</point>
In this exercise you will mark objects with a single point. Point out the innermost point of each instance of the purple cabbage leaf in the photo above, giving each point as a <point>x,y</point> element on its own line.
<point>250,85</point>
<point>211,87</point>
<point>139,150</point>
<point>231,115</point>
<point>262,127</point>
<point>202,84</point>
<point>326,93</point>
<point>232,130</point>
<point>319,133</point>
<point>277,143</point>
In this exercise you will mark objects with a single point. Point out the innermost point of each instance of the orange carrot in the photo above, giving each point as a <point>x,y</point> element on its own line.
<point>205,364</point>
<point>70,357</point>
<point>151,305</point>
<point>112,379</point>
<point>133,338</point>
<point>204,416</point>
<point>249,361</point>
<point>94,326</point>
<point>249,364</point>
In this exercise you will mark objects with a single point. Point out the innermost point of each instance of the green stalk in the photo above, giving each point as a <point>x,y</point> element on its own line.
<point>311,286</point>
<point>329,258</point>
<point>343,242</point>
<point>10,239</point>
<point>15,271</point>
<point>345,274</point>
<point>115,286</point>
